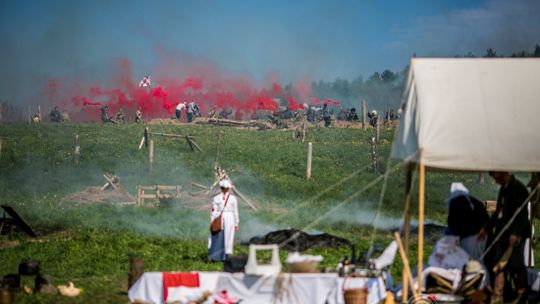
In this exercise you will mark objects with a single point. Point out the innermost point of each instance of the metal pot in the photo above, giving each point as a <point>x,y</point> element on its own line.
<point>28,267</point>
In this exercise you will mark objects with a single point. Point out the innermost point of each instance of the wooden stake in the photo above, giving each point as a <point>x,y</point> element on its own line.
<point>29,113</point>
<point>309,156</point>
<point>146,137</point>
<point>377,131</point>
<point>406,266</point>
<point>406,230</point>
<point>150,156</point>
<point>304,129</point>
<point>374,155</point>
<point>421,191</point>
<point>39,113</point>
<point>77,151</point>
<point>363,114</point>
<point>142,143</point>
<point>192,143</point>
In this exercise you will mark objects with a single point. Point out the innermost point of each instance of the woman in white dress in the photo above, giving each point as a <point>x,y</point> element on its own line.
<point>220,245</point>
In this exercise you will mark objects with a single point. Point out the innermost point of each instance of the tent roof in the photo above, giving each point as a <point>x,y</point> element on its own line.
<point>471,114</point>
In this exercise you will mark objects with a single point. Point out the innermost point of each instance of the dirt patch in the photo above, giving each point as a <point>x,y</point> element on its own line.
<point>95,195</point>
<point>6,243</point>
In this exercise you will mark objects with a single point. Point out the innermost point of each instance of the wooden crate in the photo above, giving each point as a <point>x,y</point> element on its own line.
<point>153,195</point>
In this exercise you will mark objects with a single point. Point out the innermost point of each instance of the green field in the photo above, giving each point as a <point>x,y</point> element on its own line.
<point>90,244</point>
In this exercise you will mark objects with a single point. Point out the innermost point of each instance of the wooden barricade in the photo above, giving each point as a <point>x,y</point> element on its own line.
<point>154,195</point>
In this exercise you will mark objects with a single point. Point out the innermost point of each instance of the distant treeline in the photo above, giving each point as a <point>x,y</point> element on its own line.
<point>384,89</point>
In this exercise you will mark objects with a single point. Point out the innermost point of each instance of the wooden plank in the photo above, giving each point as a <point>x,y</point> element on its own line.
<point>244,198</point>
<point>142,143</point>
<point>192,141</point>
<point>110,182</point>
<point>189,143</point>
<point>160,187</point>
<point>167,134</point>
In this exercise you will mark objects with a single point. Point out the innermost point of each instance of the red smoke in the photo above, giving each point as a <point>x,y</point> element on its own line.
<point>204,84</point>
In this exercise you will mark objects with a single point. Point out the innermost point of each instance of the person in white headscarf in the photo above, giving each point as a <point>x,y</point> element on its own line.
<point>220,245</point>
<point>466,217</point>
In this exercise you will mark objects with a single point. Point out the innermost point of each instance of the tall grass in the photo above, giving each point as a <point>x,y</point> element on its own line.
<point>90,244</point>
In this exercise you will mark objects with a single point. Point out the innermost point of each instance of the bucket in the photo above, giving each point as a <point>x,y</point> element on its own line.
<point>354,295</point>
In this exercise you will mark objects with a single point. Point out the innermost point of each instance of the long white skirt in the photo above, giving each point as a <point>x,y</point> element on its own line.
<point>222,243</point>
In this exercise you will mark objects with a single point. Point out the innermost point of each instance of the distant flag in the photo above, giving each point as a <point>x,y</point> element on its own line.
<point>145,82</point>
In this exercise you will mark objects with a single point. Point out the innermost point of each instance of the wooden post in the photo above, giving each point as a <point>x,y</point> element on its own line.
<point>77,151</point>
<point>304,129</point>
<point>377,131</point>
<point>146,137</point>
<point>29,113</point>
<point>374,155</point>
<point>481,178</point>
<point>363,114</point>
<point>406,231</point>
<point>39,113</point>
<point>309,156</point>
<point>150,156</point>
<point>388,118</point>
<point>421,190</point>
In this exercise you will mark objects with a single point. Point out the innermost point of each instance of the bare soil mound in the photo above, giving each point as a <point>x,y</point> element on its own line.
<point>95,195</point>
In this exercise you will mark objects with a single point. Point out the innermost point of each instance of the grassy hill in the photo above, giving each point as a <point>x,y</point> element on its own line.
<point>90,244</point>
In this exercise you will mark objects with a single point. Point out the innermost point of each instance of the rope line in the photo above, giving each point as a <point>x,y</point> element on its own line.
<point>346,201</point>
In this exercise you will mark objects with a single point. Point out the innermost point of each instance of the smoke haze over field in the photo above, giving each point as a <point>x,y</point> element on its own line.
<point>55,51</point>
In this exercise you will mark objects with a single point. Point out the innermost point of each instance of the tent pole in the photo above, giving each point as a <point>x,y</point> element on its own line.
<point>421,190</point>
<point>407,230</point>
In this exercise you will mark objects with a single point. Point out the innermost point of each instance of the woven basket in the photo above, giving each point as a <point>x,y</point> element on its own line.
<point>303,267</point>
<point>355,295</point>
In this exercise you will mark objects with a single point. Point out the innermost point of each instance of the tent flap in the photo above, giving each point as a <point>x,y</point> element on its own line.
<point>473,114</point>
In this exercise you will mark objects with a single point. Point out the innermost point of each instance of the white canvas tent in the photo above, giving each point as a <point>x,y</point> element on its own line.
<point>470,114</point>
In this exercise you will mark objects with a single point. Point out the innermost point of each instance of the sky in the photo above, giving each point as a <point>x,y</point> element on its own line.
<point>266,41</point>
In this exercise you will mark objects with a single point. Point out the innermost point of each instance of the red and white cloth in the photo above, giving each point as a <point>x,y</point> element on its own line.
<point>168,287</point>
<point>145,82</point>
<point>285,288</point>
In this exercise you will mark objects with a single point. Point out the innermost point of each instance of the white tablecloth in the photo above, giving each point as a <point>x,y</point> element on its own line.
<point>284,288</point>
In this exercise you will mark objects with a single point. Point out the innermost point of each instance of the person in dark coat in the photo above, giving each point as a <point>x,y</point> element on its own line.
<point>327,117</point>
<point>55,115</point>
<point>466,217</point>
<point>512,195</point>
